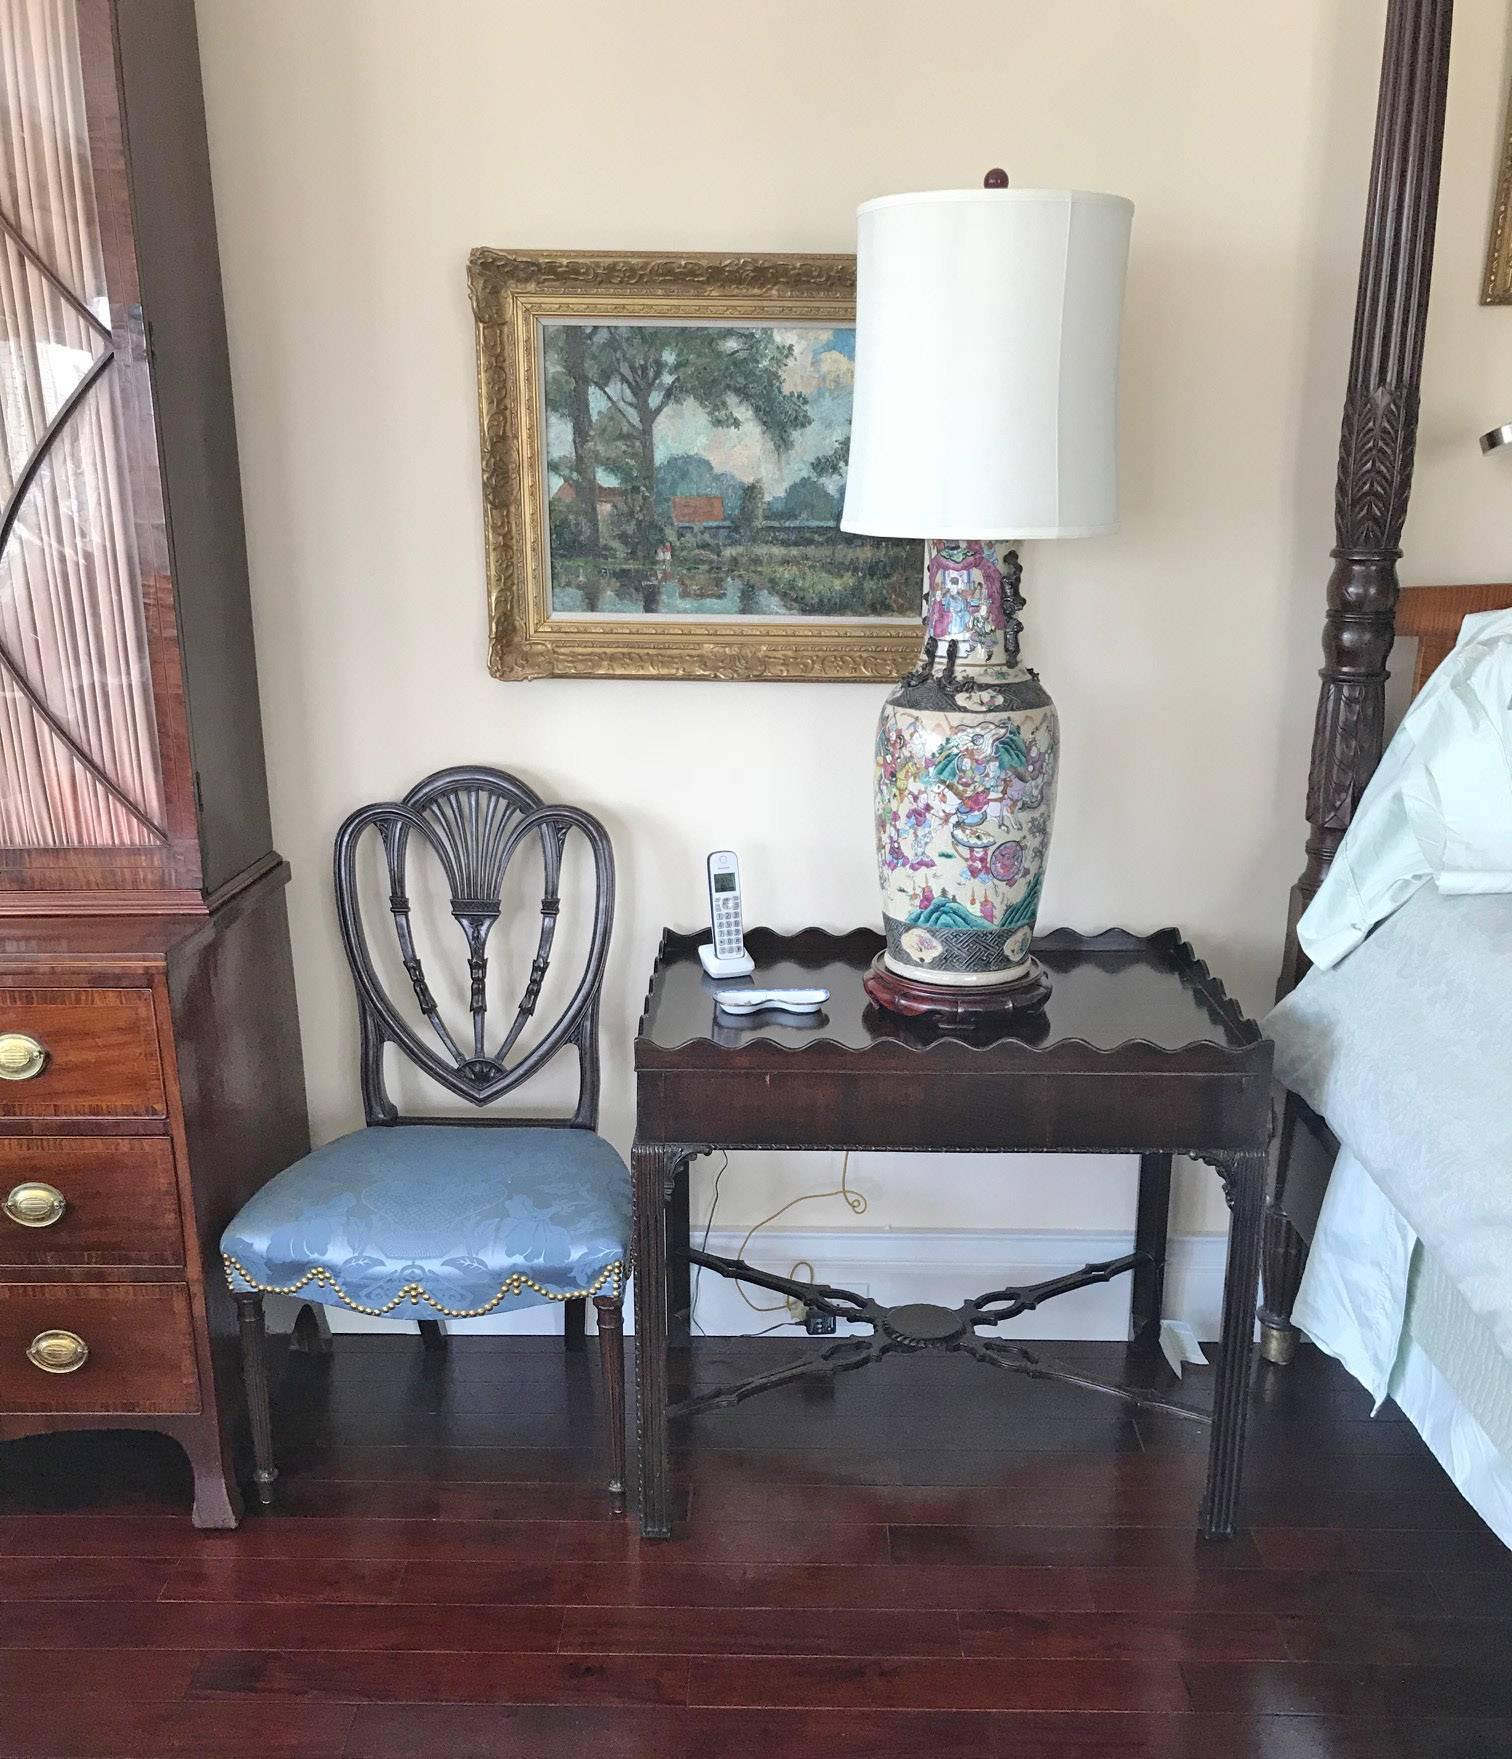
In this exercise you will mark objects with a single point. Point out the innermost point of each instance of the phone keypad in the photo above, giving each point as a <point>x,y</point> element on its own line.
<point>727,933</point>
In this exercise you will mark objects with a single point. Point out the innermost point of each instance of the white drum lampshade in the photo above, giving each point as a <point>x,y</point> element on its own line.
<point>986,364</point>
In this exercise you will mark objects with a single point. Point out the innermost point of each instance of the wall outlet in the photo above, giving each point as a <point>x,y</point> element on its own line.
<point>819,1325</point>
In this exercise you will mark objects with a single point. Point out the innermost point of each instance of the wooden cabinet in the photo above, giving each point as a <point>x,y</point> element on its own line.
<point>123,1157</point>
<point>150,1075</point>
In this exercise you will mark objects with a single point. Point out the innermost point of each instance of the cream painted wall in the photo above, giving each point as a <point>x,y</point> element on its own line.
<point>361,147</point>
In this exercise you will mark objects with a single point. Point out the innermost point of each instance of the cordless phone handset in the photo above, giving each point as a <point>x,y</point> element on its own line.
<point>728,956</point>
<point>724,903</point>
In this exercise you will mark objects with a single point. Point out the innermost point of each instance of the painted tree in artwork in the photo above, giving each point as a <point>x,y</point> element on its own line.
<point>832,465</point>
<point>731,375</point>
<point>568,387</point>
<point>749,510</point>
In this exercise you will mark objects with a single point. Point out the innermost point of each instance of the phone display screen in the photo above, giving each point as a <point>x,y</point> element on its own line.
<point>724,882</point>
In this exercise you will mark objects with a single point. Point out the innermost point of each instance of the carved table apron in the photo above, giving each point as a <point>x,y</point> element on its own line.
<point>1139,1052</point>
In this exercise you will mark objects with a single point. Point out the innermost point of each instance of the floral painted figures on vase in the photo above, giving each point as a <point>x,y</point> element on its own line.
<point>967,752</point>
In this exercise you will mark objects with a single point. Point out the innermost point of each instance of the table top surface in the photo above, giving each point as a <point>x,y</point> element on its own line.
<point>1147,997</point>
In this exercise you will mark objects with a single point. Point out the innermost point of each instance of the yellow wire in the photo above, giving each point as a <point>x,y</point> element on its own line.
<point>853,1199</point>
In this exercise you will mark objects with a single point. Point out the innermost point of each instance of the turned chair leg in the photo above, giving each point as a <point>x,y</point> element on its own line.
<point>611,1330</point>
<point>312,1331</point>
<point>575,1326</point>
<point>433,1334</point>
<point>254,1346</point>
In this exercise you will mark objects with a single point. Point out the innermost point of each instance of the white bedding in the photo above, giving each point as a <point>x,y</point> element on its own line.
<point>1405,1047</point>
<point>1401,1037</point>
<point>1439,806</point>
<point>1354,1304</point>
<point>1353,1299</point>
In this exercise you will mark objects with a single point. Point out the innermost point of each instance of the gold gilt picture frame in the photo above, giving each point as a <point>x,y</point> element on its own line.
<point>664,440</point>
<point>1497,286</point>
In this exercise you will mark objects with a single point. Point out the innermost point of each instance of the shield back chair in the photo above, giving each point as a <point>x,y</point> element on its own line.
<point>434,1217</point>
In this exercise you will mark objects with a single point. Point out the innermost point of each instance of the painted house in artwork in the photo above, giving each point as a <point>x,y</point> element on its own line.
<point>691,513</point>
<point>610,500</point>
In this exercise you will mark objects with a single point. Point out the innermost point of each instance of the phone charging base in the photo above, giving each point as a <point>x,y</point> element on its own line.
<point>742,965</point>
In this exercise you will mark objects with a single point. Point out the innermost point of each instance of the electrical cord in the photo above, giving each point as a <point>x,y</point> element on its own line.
<point>724,1167</point>
<point>855,1201</point>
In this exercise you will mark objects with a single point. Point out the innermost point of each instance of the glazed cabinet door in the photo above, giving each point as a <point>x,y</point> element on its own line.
<point>94,792</point>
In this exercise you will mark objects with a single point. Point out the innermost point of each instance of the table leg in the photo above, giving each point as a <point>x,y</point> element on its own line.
<point>679,1271</point>
<point>1151,1226</point>
<point>650,1164</point>
<point>1243,1177</point>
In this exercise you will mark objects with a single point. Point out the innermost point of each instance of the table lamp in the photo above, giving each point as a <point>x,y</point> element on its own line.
<point>985,401</point>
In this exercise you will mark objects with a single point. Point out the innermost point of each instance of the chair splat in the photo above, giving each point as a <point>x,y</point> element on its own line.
<point>473,821</point>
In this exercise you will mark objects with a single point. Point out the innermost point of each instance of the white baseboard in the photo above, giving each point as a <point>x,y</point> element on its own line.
<point>943,1265</point>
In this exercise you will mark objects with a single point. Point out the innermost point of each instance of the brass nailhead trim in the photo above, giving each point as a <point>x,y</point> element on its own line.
<point>416,1292</point>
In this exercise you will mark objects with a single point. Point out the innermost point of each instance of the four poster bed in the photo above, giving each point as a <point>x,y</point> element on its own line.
<point>1419,1310</point>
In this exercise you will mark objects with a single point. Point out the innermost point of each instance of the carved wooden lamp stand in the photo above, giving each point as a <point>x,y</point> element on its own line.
<point>986,367</point>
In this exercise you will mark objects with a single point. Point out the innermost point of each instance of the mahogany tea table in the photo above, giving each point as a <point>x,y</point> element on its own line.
<point>1139,1052</point>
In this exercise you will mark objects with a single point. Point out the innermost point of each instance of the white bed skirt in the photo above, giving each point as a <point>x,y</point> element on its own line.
<point>1354,1305</point>
<point>1459,1444</point>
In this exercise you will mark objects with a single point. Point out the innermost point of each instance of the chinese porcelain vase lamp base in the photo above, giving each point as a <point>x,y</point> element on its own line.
<point>967,748</point>
<point>986,371</point>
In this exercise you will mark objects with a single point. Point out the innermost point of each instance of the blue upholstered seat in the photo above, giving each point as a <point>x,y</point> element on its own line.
<point>421,1219</point>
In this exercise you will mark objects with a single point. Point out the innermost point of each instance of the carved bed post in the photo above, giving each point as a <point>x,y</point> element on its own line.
<point>1376,443</point>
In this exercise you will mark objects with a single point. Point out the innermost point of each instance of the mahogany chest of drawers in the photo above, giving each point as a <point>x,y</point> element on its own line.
<point>149,1048</point>
<point>149,1083</point>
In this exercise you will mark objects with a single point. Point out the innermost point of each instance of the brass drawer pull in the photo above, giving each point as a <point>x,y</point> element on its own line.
<point>57,1352</point>
<point>22,1057</point>
<point>34,1205</point>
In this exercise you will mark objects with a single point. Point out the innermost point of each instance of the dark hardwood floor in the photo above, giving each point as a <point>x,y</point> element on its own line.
<point>925,1558</point>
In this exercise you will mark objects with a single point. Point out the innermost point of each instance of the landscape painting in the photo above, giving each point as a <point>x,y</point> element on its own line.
<point>699,471</point>
<point>665,446</point>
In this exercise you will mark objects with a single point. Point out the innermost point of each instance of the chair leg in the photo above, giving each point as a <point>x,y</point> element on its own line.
<point>254,1346</point>
<point>433,1333</point>
<point>312,1331</point>
<point>611,1330</point>
<point>575,1326</point>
